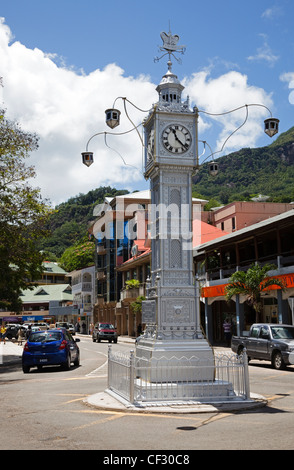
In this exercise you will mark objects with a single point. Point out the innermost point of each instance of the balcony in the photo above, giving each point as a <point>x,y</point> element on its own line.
<point>131,294</point>
<point>284,263</point>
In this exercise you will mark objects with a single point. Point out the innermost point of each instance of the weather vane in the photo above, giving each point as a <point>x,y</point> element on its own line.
<point>170,45</point>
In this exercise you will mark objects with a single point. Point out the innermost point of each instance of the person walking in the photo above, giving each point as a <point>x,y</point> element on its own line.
<point>227,331</point>
<point>20,336</point>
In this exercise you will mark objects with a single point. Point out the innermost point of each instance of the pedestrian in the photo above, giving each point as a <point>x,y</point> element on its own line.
<point>20,336</point>
<point>227,331</point>
<point>28,332</point>
<point>84,328</point>
<point>2,333</point>
<point>91,328</point>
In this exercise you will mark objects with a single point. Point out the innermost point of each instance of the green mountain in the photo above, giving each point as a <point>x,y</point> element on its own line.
<point>69,222</point>
<point>267,170</point>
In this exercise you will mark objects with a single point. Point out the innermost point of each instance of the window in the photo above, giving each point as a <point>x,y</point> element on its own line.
<point>233,223</point>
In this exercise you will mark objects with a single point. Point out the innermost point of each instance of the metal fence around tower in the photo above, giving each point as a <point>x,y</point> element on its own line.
<point>128,378</point>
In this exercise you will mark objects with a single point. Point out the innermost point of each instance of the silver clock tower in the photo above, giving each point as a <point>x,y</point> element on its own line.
<point>171,156</point>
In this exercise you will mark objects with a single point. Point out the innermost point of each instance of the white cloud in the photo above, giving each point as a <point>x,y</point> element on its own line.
<point>66,108</point>
<point>272,12</point>
<point>226,93</point>
<point>288,77</point>
<point>264,53</point>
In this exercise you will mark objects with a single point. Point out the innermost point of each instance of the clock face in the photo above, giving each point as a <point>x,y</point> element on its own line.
<point>176,138</point>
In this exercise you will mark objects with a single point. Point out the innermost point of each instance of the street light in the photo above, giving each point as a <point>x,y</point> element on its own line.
<point>271,127</point>
<point>112,117</point>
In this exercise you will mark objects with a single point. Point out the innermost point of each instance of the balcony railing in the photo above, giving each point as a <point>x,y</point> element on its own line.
<point>226,271</point>
<point>132,293</point>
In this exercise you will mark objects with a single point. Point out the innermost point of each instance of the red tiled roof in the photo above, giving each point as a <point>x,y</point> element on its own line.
<point>203,232</point>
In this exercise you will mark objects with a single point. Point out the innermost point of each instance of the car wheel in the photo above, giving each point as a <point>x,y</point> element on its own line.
<point>94,339</point>
<point>66,365</point>
<point>240,353</point>
<point>277,361</point>
<point>77,361</point>
<point>99,340</point>
<point>115,340</point>
<point>26,369</point>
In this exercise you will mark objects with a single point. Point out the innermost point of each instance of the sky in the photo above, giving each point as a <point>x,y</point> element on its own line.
<point>63,63</point>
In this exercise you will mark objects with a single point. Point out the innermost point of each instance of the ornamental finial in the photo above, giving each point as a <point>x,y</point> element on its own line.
<point>170,45</point>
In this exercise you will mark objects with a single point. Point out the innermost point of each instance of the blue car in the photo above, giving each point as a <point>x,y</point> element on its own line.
<point>51,347</point>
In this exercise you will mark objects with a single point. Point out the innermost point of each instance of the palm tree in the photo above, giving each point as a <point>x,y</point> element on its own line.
<point>251,284</point>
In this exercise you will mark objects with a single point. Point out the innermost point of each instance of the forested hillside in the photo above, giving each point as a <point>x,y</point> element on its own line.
<point>248,172</point>
<point>242,175</point>
<point>69,222</point>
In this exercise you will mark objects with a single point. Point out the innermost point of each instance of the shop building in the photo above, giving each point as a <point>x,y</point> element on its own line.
<point>84,294</point>
<point>269,241</point>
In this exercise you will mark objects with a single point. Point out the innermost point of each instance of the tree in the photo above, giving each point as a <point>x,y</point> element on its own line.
<point>78,256</point>
<point>23,215</point>
<point>251,284</point>
<point>136,305</point>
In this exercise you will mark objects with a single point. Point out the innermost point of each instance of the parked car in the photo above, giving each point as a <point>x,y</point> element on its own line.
<point>50,347</point>
<point>67,326</point>
<point>104,331</point>
<point>267,341</point>
<point>71,329</point>
<point>12,330</point>
<point>41,325</point>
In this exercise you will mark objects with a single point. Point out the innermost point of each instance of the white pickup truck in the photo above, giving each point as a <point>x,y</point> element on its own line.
<point>269,342</point>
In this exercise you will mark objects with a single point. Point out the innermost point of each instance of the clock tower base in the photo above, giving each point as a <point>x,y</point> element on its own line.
<point>174,360</point>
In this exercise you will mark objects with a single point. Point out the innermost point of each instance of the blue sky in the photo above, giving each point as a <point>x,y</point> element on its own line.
<point>64,62</point>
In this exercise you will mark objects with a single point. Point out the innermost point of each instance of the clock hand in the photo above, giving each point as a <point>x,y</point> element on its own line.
<point>176,137</point>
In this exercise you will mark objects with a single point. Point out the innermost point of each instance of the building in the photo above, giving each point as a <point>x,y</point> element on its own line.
<point>123,252</point>
<point>50,301</point>
<point>237,215</point>
<point>268,241</point>
<point>83,293</point>
<point>127,258</point>
<point>53,274</point>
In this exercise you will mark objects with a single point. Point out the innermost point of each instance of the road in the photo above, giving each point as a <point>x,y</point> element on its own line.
<point>44,410</point>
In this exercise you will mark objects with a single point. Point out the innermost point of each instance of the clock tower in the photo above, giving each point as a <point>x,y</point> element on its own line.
<point>173,330</point>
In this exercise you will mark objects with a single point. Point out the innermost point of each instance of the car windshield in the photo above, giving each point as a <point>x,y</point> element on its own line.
<point>45,336</point>
<point>106,325</point>
<point>283,332</point>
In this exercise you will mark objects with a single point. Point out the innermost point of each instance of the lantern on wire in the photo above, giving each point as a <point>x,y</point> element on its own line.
<point>87,158</point>
<point>112,117</point>
<point>271,126</point>
<point>213,168</point>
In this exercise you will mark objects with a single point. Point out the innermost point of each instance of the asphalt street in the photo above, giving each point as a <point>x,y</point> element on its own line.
<point>48,410</point>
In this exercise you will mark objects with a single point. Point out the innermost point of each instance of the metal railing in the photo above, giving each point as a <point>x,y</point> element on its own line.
<point>128,378</point>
